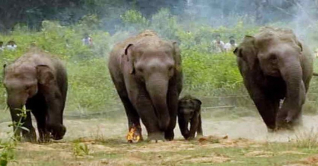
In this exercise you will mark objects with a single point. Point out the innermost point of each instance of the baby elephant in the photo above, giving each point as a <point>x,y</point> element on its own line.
<point>190,111</point>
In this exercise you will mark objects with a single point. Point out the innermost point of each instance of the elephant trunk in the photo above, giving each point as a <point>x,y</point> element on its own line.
<point>15,103</point>
<point>295,89</point>
<point>157,87</point>
<point>183,125</point>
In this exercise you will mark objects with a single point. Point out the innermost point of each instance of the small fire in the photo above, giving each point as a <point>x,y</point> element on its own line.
<point>134,135</point>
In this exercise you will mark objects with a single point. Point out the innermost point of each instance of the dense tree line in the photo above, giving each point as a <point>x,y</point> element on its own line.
<point>33,12</point>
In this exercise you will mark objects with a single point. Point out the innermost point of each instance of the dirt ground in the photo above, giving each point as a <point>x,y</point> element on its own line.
<point>242,141</point>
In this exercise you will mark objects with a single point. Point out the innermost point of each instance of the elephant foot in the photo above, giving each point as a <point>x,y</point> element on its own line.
<point>134,135</point>
<point>270,130</point>
<point>190,138</point>
<point>169,135</point>
<point>199,135</point>
<point>156,136</point>
<point>288,124</point>
<point>29,135</point>
<point>44,137</point>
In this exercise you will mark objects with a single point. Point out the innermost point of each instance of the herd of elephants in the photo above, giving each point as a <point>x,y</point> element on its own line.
<point>147,73</point>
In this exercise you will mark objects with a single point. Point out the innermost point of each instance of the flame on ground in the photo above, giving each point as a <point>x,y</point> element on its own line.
<point>133,135</point>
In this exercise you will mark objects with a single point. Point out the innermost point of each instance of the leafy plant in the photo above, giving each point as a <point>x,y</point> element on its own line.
<point>80,149</point>
<point>7,147</point>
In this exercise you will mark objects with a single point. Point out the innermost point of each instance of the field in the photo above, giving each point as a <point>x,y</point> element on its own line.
<point>234,133</point>
<point>241,141</point>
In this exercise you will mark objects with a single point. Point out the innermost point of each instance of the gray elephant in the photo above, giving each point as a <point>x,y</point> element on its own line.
<point>38,81</point>
<point>146,71</point>
<point>275,67</point>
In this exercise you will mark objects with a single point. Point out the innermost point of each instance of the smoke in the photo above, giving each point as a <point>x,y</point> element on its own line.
<point>304,17</point>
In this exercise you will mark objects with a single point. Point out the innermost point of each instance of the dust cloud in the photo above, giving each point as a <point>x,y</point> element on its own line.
<point>251,128</point>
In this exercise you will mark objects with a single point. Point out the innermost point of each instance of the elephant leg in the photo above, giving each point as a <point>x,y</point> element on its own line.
<point>149,118</point>
<point>131,113</point>
<point>44,135</point>
<point>193,127</point>
<point>266,106</point>
<point>40,114</point>
<point>39,110</point>
<point>132,116</point>
<point>183,125</point>
<point>199,130</point>
<point>29,135</point>
<point>173,98</point>
<point>268,110</point>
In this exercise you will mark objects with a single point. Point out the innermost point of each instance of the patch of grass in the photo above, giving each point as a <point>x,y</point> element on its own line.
<point>307,139</point>
<point>231,153</point>
<point>80,149</point>
<point>7,147</point>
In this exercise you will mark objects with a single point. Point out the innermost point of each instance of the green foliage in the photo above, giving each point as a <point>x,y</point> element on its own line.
<point>206,71</point>
<point>89,22</point>
<point>7,147</point>
<point>165,24</point>
<point>90,86</point>
<point>134,19</point>
<point>80,149</point>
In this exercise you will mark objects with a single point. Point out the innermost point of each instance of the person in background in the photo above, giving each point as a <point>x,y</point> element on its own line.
<point>1,46</point>
<point>231,45</point>
<point>87,40</point>
<point>11,45</point>
<point>219,45</point>
<point>316,53</point>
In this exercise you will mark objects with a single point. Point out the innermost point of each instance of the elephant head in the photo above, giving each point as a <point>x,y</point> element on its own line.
<point>269,51</point>
<point>22,82</point>
<point>153,67</point>
<point>276,53</point>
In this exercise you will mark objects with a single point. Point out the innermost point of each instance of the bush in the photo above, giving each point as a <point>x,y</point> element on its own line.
<point>90,86</point>
<point>206,73</point>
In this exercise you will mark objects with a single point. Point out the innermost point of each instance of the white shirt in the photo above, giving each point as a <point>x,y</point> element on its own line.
<point>229,46</point>
<point>11,47</point>
<point>219,46</point>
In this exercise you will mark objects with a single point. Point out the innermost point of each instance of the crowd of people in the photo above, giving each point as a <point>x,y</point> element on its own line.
<point>11,45</point>
<point>221,47</point>
<point>218,44</point>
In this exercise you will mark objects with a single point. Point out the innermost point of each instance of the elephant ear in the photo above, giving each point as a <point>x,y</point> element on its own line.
<point>177,56</point>
<point>247,51</point>
<point>198,101</point>
<point>300,45</point>
<point>130,59</point>
<point>45,74</point>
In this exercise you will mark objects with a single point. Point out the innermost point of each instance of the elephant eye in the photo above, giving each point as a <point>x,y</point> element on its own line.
<point>28,87</point>
<point>140,70</point>
<point>272,56</point>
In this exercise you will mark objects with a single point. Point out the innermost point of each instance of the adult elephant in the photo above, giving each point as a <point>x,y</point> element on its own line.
<point>276,66</point>
<point>146,71</point>
<point>38,81</point>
